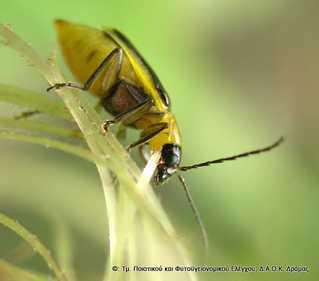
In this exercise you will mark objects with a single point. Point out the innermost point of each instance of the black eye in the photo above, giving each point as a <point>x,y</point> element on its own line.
<point>171,155</point>
<point>171,160</point>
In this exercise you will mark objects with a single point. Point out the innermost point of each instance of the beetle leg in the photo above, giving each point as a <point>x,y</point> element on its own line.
<point>135,112</point>
<point>118,59</point>
<point>116,54</point>
<point>152,132</point>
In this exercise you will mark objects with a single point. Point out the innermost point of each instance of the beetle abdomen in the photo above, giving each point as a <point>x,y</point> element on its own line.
<point>84,48</point>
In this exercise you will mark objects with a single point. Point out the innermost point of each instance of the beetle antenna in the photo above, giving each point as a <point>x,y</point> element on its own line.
<point>234,157</point>
<point>195,212</point>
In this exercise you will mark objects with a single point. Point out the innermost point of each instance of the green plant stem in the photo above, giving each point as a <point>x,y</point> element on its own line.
<point>64,248</point>
<point>34,243</point>
<point>49,143</point>
<point>30,99</point>
<point>10,272</point>
<point>37,126</point>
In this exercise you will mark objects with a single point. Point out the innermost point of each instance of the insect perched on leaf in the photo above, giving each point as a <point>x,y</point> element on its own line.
<point>109,66</point>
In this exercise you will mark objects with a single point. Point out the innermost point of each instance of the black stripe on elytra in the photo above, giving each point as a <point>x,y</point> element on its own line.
<point>163,94</point>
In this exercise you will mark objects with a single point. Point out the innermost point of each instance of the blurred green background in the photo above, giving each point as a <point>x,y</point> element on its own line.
<point>239,74</point>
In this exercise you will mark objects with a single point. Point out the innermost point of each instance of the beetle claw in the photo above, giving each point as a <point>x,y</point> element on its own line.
<point>106,125</point>
<point>56,86</point>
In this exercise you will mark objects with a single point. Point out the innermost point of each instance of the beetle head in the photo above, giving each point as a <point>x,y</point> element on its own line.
<point>169,162</point>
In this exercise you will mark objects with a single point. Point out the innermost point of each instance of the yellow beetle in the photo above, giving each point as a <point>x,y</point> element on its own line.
<point>109,66</point>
